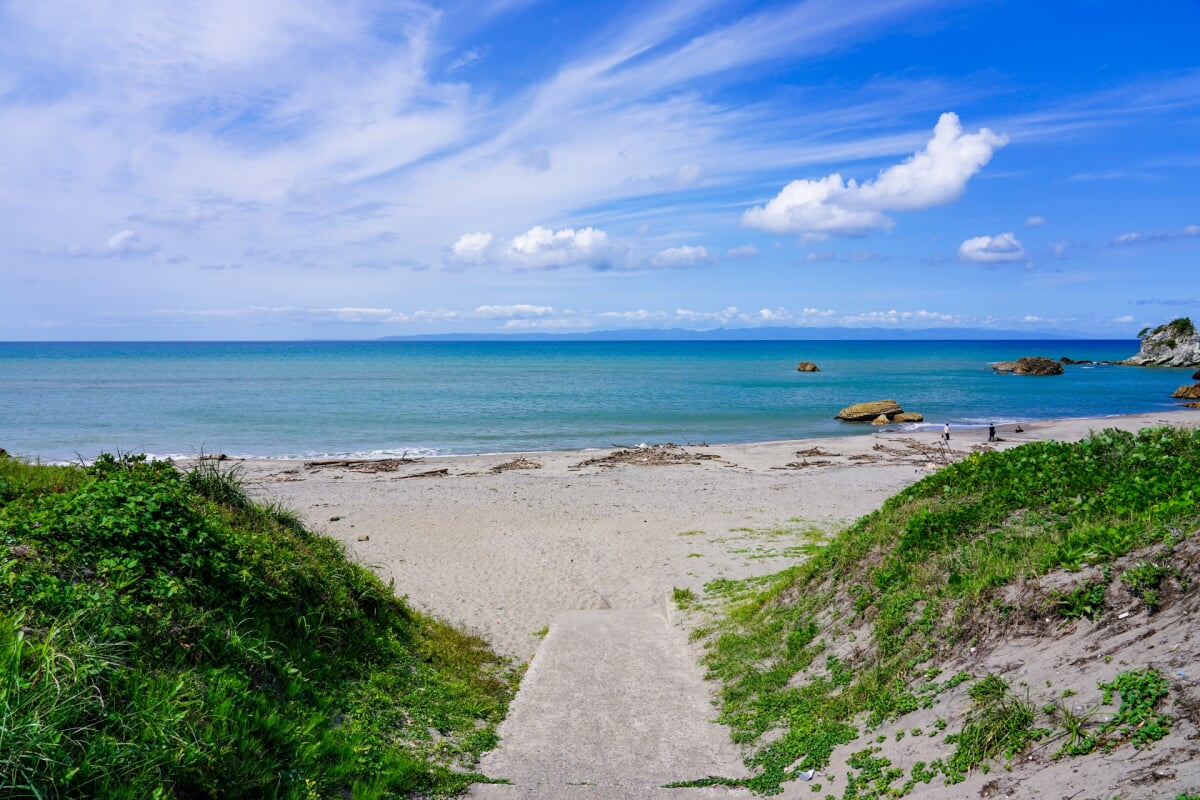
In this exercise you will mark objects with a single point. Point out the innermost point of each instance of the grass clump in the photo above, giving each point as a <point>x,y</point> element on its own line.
<point>921,579</point>
<point>164,636</point>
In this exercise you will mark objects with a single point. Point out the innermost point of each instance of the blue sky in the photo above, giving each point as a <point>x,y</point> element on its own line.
<point>285,169</point>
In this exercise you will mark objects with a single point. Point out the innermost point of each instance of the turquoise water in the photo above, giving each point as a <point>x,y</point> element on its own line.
<point>61,401</point>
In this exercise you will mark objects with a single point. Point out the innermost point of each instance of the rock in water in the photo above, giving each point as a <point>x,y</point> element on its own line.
<point>1196,375</point>
<point>909,416</point>
<point>1004,366</point>
<point>1187,392</point>
<point>1175,344</point>
<point>1037,365</point>
<point>807,366</point>
<point>882,419</point>
<point>865,412</point>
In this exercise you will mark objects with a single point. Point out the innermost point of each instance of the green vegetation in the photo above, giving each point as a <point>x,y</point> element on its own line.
<point>1180,326</point>
<point>1141,692</point>
<point>1000,724</point>
<point>163,636</point>
<point>1143,580</point>
<point>921,579</point>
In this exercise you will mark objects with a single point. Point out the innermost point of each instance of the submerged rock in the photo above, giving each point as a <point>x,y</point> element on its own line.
<point>1068,360</point>
<point>1196,375</point>
<point>807,366</point>
<point>1175,344</point>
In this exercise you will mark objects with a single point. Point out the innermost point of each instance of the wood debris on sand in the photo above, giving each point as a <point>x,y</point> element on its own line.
<point>369,465</point>
<point>654,455</point>
<point>516,463</point>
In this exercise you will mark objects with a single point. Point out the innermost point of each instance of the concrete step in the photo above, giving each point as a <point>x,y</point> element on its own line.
<point>612,706</point>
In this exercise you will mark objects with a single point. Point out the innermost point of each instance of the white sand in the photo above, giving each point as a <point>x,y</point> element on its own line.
<point>500,552</point>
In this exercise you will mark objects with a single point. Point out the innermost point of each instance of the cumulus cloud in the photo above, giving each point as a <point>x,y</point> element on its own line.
<point>542,248</point>
<point>992,249</point>
<point>471,248</point>
<point>679,257</point>
<point>1147,237</point>
<point>933,176</point>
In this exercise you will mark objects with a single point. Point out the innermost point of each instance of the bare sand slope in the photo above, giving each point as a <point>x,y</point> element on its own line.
<point>500,551</point>
<point>514,546</point>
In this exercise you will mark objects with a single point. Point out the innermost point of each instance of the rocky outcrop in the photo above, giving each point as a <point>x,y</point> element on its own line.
<point>1175,344</point>
<point>807,366</point>
<point>1030,365</point>
<point>1187,392</point>
<point>1068,360</point>
<point>877,412</point>
<point>1196,375</point>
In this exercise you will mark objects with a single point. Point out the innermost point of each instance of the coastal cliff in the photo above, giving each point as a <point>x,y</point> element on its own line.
<point>1175,344</point>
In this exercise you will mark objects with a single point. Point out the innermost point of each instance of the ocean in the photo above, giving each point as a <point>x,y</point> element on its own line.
<point>69,401</point>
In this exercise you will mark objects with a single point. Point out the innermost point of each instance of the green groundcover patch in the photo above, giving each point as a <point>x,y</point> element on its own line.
<point>163,636</point>
<point>915,579</point>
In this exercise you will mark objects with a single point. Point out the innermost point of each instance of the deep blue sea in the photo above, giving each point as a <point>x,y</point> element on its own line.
<point>65,401</point>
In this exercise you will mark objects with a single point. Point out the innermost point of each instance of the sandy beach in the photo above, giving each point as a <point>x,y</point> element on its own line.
<point>500,543</point>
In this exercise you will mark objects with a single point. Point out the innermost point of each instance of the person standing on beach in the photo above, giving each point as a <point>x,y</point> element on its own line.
<point>991,431</point>
<point>946,433</point>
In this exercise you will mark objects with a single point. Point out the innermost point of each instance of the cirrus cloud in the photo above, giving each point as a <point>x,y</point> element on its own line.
<point>933,176</point>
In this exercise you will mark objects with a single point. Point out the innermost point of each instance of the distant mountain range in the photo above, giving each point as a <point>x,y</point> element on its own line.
<point>748,334</point>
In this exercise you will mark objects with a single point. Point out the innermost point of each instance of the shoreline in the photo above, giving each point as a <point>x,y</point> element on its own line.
<point>861,429</point>
<point>499,544</point>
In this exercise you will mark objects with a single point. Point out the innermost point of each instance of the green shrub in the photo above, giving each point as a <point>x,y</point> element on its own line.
<point>163,636</point>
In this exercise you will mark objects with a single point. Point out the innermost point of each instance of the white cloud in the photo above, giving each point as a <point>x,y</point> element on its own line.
<point>933,176</point>
<point>518,311</point>
<point>542,248</point>
<point>1147,237</point>
<point>471,248</point>
<point>741,252</point>
<point>992,249</point>
<point>678,257</point>
<point>1035,221</point>
<point>122,244</point>
<point>1123,320</point>
<point>126,244</point>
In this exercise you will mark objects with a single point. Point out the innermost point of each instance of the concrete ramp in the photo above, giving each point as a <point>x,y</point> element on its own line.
<point>613,706</point>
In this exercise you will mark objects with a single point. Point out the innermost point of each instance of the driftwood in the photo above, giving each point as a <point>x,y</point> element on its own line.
<point>813,451</point>
<point>363,464</point>
<point>654,455</point>
<point>804,463</point>
<point>433,473</point>
<point>516,463</point>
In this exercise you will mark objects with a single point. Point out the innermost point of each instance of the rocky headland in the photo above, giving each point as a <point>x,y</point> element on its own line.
<point>1174,344</point>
